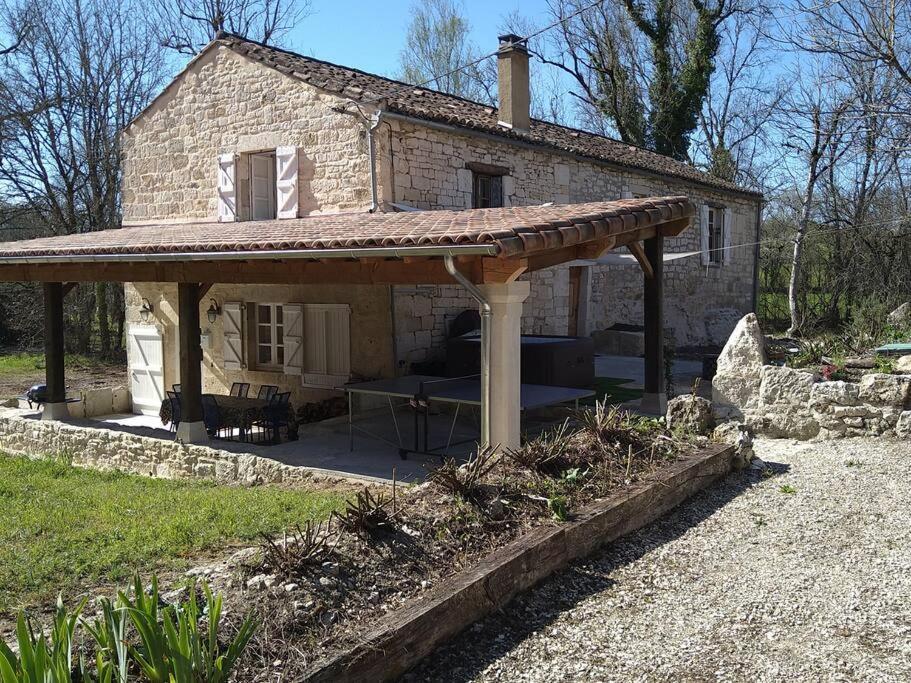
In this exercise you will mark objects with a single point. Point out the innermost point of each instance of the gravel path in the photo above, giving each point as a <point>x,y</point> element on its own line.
<point>804,575</point>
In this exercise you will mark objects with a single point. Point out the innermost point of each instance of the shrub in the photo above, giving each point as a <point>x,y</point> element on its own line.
<point>464,480</point>
<point>367,515</point>
<point>172,644</point>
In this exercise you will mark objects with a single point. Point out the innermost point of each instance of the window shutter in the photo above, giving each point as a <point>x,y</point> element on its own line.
<point>626,194</point>
<point>227,188</point>
<point>293,320</point>
<point>232,317</point>
<point>286,181</point>
<point>704,234</point>
<point>728,229</point>
<point>327,353</point>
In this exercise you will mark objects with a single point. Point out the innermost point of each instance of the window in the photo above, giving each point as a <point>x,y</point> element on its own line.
<point>715,230</point>
<point>258,185</point>
<point>270,342</point>
<point>488,191</point>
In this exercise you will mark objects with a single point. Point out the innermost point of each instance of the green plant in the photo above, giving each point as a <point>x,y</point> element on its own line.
<point>559,508</point>
<point>787,488</point>
<point>173,647</point>
<point>884,365</point>
<point>544,454</point>
<point>109,633</point>
<point>43,658</point>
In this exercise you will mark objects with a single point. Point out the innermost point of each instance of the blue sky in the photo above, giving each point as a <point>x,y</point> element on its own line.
<point>370,35</point>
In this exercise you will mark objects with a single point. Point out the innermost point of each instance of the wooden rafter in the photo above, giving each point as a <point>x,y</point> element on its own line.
<point>637,250</point>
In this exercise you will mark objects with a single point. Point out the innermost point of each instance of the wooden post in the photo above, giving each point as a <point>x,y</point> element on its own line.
<point>654,398</point>
<point>55,407</point>
<point>192,428</point>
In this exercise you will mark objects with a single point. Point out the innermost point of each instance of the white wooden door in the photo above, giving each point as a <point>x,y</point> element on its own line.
<point>262,186</point>
<point>145,358</point>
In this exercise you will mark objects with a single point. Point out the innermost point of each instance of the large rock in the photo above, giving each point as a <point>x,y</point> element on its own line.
<point>901,316</point>
<point>735,387</point>
<point>690,413</point>
<point>902,365</point>
<point>784,409</point>
<point>888,390</point>
<point>738,435</point>
<point>903,425</point>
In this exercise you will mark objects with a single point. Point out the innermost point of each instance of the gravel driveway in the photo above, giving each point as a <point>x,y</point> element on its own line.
<point>804,575</point>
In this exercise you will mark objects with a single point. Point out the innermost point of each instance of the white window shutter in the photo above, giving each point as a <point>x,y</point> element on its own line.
<point>704,234</point>
<point>293,317</point>
<point>227,188</point>
<point>286,181</point>
<point>327,355</point>
<point>232,317</point>
<point>728,228</point>
<point>626,194</point>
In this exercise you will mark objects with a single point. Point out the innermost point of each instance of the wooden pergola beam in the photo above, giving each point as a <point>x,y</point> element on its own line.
<point>637,251</point>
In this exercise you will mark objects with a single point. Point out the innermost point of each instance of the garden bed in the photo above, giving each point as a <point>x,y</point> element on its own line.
<point>320,592</point>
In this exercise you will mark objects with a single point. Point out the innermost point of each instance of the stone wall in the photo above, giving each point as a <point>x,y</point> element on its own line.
<point>371,331</point>
<point>224,103</point>
<point>429,171</point>
<point>106,449</point>
<point>793,403</point>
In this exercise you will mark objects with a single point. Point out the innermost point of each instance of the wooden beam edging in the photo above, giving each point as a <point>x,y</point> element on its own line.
<point>408,635</point>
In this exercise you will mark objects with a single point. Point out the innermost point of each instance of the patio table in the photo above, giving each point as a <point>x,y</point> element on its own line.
<point>236,412</point>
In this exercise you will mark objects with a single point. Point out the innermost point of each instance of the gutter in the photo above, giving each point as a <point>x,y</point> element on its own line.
<point>485,345</point>
<point>275,254</point>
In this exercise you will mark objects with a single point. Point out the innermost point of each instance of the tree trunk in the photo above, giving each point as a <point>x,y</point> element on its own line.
<point>102,319</point>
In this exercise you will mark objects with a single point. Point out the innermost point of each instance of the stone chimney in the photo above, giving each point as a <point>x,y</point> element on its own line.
<point>512,78</point>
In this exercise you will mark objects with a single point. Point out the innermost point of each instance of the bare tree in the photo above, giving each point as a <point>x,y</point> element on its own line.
<point>189,25</point>
<point>80,74</point>
<point>438,53</point>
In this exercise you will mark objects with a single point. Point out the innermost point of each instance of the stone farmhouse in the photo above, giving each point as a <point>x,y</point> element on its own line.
<point>249,132</point>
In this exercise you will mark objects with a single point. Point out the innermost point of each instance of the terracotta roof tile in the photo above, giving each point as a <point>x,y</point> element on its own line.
<point>433,105</point>
<point>514,231</point>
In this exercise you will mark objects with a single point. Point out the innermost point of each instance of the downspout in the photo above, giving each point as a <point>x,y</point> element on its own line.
<point>485,345</point>
<point>374,123</point>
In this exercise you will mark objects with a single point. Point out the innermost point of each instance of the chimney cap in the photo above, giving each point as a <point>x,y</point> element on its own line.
<point>511,40</point>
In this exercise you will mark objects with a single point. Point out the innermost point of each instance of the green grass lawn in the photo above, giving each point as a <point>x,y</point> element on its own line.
<point>25,363</point>
<point>609,388</point>
<point>62,527</point>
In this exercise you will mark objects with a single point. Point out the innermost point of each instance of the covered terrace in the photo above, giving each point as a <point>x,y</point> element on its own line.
<point>485,250</point>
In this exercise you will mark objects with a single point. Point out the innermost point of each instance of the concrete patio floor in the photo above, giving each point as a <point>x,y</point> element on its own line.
<point>325,446</point>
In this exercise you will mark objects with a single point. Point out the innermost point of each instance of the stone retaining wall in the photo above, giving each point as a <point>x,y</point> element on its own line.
<point>107,449</point>
<point>784,402</point>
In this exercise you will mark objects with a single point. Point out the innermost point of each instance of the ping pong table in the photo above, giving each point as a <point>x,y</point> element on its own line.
<point>420,392</point>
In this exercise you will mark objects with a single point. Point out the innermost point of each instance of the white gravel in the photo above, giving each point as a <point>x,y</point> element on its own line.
<point>804,575</point>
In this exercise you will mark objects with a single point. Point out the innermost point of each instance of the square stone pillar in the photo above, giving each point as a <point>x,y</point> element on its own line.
<point>505,361</point>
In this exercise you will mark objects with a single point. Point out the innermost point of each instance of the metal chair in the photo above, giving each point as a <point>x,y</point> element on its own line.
<point>174,400</point>
<point>267,391</point>
<point>211,415</point>
<point>240,389</point>
<point>275,416</point>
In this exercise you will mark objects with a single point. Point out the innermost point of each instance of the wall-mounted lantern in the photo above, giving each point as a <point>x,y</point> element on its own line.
<point>145,311</point>
<point>213,312</point>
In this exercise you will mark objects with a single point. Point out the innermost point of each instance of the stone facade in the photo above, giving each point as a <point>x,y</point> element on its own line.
<point>225,103</point>
<point>106,449</point>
